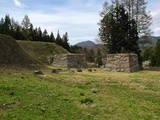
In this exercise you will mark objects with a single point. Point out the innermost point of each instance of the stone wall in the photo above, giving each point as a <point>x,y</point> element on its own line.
<point>70,60</point>
<point>122,62</point>
<point>76,61</point>
<point>60,60</point>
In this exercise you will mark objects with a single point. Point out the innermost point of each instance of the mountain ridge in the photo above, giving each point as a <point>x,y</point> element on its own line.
<point>84,44</point>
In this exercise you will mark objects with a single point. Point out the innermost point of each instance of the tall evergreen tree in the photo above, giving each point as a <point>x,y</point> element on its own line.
<point>30,32</point>
<point>52,38</point>
<point>26,22</point>
<point>59,39</point>
<point>1,25</point>
<point>18,34</point>
<point>65,41</point>
<point>6,27</point>
<point>35,35</point>
<point>118,31</point>
<point>137,10</point>
<point>157,53</point>
<point>40,37</point>
<point>45,36</point>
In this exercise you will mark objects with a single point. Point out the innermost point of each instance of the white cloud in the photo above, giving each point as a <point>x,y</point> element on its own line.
<point>156,22</point>
<point>154,13</point>
<point>156,31</point>
<point>17,3</point>
<point>79,20</point>
<point>64,17</point>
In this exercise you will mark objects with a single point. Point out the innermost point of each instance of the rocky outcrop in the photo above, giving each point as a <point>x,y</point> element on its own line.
<point>122,62</point>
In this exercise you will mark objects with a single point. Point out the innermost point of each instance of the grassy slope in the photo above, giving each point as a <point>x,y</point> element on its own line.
<point>120,96</point>
<point>11,54</point>
<point>41,50</point>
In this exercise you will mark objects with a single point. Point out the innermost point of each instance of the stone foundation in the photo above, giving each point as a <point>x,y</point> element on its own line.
<point>122,62</point>
<point>70,60</point>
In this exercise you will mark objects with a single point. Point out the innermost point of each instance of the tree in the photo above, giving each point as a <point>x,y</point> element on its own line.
<point>26,22</point>
<point>99,58</point>
<point>1,25</point>
<point>91,56</point>
<point>147,53</point>
<point>157,53</point>
<point>118,31</point>
<point>30,32</point>
<point>137,10</point>
<point>18,34</point>
<point>6,27</point>
<point>35,35</point>
<point>52,38</point>
<point>39,33</point>
<point>76,49</point>
<point>45,36</point>
<point>65,41</point>
<point>59,39</point>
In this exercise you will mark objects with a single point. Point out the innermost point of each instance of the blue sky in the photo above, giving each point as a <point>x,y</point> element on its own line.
<point>77,17</point>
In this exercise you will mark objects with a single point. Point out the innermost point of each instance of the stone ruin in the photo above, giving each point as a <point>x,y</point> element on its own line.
<point>70,60</point>
<point>122,62</point>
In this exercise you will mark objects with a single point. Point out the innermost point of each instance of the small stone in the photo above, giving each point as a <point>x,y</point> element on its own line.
<point>94,90</point>
<point>38,73</point>
<point>82,94</point>
<point>72,71</point>
<point>60,70</point>
<point>89,70</point>
<point>11,93</point>
<point>79,70</point>
<point>55,71</point>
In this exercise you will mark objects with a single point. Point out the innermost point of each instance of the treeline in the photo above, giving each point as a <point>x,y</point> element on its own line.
<point>26,31</point>
<point>152,54</point>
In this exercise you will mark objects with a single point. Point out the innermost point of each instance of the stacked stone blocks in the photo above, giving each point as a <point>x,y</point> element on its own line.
<point>122,62</point>
<point>70,60</point>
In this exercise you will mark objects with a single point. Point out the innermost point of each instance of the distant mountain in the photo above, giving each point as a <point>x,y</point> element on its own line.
<point>154,39</point>
<point>86,44</point>
<point>91,44</point>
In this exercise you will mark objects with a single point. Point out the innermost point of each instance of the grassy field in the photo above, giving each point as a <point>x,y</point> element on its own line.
<point>99,95</point>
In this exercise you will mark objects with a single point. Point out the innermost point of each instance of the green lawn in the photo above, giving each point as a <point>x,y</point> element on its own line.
<point>99,95</point>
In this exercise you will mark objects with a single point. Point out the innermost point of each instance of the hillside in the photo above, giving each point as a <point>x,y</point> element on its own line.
<point>41,51</point>
<point>11,54</point>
